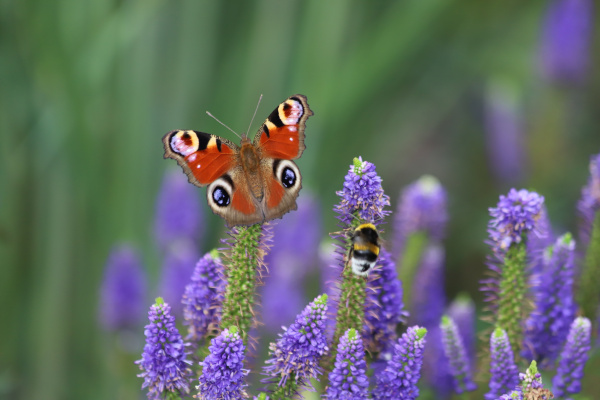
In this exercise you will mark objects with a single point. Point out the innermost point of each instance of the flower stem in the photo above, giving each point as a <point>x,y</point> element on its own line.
<point>589,293</point>
<point>416,244</point>
<point>243,263</point>
<point>511,310</point>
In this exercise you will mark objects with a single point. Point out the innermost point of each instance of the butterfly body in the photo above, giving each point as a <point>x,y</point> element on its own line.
<point>256,181</point>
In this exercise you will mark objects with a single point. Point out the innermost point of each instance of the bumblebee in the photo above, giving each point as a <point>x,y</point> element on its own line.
<point>364,250</point>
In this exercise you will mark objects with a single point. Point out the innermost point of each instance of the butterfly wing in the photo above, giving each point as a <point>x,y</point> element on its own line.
<point>282,134</point>
<point>213,161</point>
<point>203,157</point>
<point>279,140</point>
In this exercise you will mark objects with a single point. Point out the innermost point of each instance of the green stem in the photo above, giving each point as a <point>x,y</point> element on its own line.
<point>242,265</point>
<point>511,303</point>
<point>589,293</point>
<point>286,391</point>
<point>410,260</point>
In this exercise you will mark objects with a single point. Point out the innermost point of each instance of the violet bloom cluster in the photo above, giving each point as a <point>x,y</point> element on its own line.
<point>573,357</point>
<point>515,216</point>
<point>222,370</point>
<point>457,358</point>
<point>203,297</point>
<point>589,204</point>
<point>462,311</point>
<point>164,360</point>
<point>566,37</point>
<point>504,372</point>
<point>384,309</point>
<point>547,327</point>
<point>422,208</point>
<point>530,386</point>
<point>362,195</point>
<point>348,379</point>
<point>123,290</point>
<point>401,375</point>
<point>297,353</point>
<point>429,295</point>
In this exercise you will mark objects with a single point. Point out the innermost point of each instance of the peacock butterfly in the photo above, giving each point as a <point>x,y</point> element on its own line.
<point>256,181</point>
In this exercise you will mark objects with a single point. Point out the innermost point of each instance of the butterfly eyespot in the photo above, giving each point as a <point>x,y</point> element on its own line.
<point>288,177</point>
<point>221,197</point>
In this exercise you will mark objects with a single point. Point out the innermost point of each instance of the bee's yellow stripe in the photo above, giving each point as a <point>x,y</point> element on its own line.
<point>367,246</point>
<point>363,226</point>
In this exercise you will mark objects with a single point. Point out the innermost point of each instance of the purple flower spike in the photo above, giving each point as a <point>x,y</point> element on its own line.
<point>123,290</point>
<point>222,370</point>
<point>203,297</point>
<point>385,308</point>
<point>547,327</point>
<point>456,354</point>
<point>422,208</point>
<point>177,269</point>
<point>566,39</point>
<point>504,130</point>
<point>401,375</point>
<point>429,300</point>
<point>178,214</point>
<point>296,355</point>
<point>164,364</point>
<point>362,195</point>
<point>515,215</point>
<point>348,380</point>
<point>505,375</point>
<point>589,204</point>
<point>462,311</point>
<point>573,358</point>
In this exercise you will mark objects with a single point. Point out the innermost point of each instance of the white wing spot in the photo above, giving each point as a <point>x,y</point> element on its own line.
<point>291,139</point>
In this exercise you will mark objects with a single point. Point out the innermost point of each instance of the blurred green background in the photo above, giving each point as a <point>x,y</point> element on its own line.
<point>88,89</point>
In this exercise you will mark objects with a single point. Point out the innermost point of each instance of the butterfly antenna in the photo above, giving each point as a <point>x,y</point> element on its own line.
<point>255,110</point>
<point>216,119</point>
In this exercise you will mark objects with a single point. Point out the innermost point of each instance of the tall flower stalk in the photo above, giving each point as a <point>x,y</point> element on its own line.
<point>348,380</point>
<point>243,268</point>
<point>589,214</point>
<point>555,308</point>
<point>454,348</point>
<point>164,361</point>
<point>573,357</point>
<point>296,355</point>
<point>362,200</point>
<point>504,372</point>
<point>513,219</point>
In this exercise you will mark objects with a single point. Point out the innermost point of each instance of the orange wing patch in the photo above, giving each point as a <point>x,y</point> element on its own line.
<point>276,192</point>
<point>205,157</point>
<point>242,203</point>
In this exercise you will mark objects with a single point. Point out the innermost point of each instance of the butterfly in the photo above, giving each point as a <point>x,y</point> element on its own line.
<point>256,181</point>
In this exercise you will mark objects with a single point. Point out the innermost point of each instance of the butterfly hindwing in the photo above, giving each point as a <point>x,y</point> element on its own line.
<point>283,182</point>
<point>282,134</point>
<point>203,157</point>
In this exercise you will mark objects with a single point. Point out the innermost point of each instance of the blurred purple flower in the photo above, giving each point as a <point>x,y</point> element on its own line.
<point>362,195</point>
<point>436,368</point>
<point>566,37</point>
<point>462,311</point>
<point>123,291</point>
<point>536,247</point>
<point>178,213</point>
<point>422,208</point>
<point>504,131</point>
<point>384,309</point>
<point>455,352</point>
<point>573,357</point>
<point>505,375</point>
<point>164,363</point>
<point>429,300</point>
<point>293,255</point>
<point>589,204</point>
<point>178,267</point>
<point>401,375</point>
<point>547,326</point>
<point>348,379</point>
<point>515,215</point>
<point>222,370</point>
<point>297,353</point>
<point>203,297</point>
